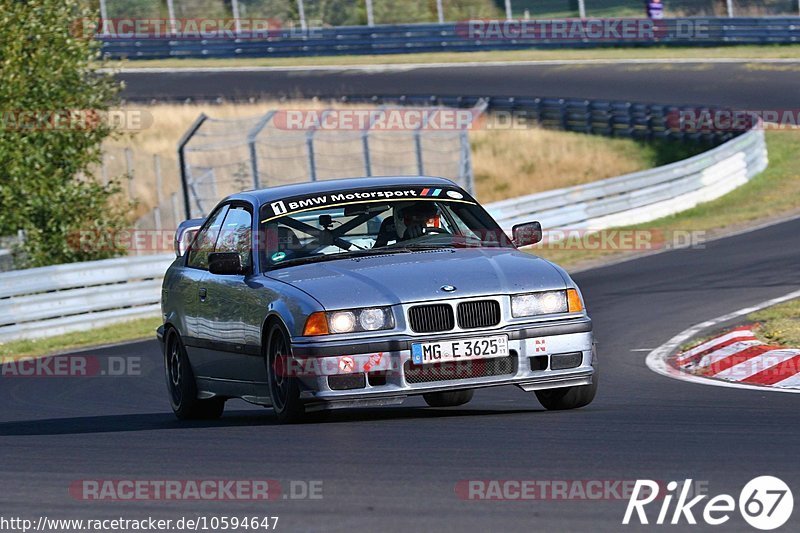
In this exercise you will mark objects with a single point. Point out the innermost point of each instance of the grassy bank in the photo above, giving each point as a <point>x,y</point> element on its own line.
<point>125,331</point>
<point>773,194</point>
<point>779,324</point>
<point>791,51</point>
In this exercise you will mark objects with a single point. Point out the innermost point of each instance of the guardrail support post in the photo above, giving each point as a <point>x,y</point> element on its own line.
<point>301,11</point>
<point>582,9</point>
<point>509,13</point>
<point>182,161</point>
<point>730,8</point>
<point>103,16</point>
<point>440,11</point>
<point>370,14</point>
<point>237,23</point>
<point>171,10</point>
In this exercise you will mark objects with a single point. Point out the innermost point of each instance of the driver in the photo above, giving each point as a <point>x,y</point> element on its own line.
<point>408,222</point>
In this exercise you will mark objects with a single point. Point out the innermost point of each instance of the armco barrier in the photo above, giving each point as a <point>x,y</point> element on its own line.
<point>42,302</point>
<point>454,37</point>
<point>642,196</point>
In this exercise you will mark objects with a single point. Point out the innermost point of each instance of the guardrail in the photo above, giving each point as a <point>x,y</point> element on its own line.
<point>454,37</point>
<point>642,196</point>
<point>42,302</point>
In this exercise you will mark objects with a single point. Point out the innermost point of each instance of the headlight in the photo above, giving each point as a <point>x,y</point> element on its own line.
<point>352,321</point>
<point>342,321</point>
<point>546,303</point>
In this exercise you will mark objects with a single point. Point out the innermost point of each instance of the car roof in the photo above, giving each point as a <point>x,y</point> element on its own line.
<point>271,194</point>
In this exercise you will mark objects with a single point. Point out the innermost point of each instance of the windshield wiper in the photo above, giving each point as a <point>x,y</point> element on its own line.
<point>355,254</point>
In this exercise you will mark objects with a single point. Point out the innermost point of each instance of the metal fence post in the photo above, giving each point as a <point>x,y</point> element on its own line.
<point>159,187</point>
<point>176,217</point>
<point>582,9</point>
<point>171,11</point>
<point>367,160</point>
<point>466,163</point>
<point>730,8</point>
<point>103,16</point>
<point>103,169</point>
<point>237,23</point>
<point>183,167</point>
<point>440,11</point>
<point>509,13</point>
<point>370,14</point>
<point>301,11</point>
<point>252,136</point>
<point>312,164</point>
<point>129,170</point>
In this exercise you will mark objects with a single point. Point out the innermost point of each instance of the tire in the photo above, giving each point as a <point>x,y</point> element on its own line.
<point>449,398</point>
<point>568,397</point>
<point>284,390</point>
<point>182,386</point>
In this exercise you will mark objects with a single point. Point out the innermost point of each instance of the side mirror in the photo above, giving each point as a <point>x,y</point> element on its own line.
<point>225,263</point>
<point>185,234</point>
<point>527,234</point>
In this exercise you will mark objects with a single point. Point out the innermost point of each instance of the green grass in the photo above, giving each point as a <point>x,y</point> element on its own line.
<point>791,51</point>
<point>125,331</point>
<point>779,324</point>
<point>773,194</point>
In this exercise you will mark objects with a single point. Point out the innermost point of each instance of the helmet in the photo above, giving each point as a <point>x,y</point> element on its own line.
<point>415,213</point>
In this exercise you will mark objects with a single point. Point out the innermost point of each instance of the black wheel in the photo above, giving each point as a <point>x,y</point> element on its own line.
<point>284,389</point>
<point>568,397</point>
<point>448,399</point>
<point>182,386</point>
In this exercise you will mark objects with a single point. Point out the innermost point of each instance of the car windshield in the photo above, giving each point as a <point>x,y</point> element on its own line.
<point>352,224</point>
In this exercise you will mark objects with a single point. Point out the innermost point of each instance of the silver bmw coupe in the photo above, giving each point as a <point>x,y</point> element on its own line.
<point>362,292</point>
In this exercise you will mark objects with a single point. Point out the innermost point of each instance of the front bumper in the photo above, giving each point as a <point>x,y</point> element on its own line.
<point>541,356</point>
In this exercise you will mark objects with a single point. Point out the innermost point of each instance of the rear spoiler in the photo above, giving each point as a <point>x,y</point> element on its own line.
<point>185,234</point>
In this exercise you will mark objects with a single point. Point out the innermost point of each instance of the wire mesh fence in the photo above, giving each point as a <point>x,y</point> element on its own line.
<point>369,12</point>
<point>222,157</point>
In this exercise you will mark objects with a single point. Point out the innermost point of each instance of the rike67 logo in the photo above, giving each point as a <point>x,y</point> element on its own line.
<point>765,503</point>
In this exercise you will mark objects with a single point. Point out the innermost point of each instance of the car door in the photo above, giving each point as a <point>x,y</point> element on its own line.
<point>192,295</point>
<point>232,309</point>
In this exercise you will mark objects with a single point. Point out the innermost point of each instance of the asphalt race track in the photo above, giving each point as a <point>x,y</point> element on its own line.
<point>752,86</point>
<point>395,469</point>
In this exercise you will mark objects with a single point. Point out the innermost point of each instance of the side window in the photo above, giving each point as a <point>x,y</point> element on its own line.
<point>236,234</point>
<point>206,239</point>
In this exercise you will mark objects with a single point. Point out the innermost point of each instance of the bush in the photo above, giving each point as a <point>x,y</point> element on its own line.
<point>47,188</point>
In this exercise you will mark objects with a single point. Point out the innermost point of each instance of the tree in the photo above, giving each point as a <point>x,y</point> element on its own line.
<point>50,83</point>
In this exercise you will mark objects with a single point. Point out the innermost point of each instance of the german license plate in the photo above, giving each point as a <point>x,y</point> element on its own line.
<point>459,350</point>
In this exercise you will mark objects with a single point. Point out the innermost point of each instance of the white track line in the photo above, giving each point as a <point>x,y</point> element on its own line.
<point>399,67</point>
<point>657,359</point>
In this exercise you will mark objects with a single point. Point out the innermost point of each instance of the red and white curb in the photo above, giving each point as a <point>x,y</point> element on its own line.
<point>735,359</point>
<point>738,356</point>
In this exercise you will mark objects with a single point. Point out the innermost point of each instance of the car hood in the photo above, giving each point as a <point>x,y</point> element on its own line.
<point>420,276</point>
